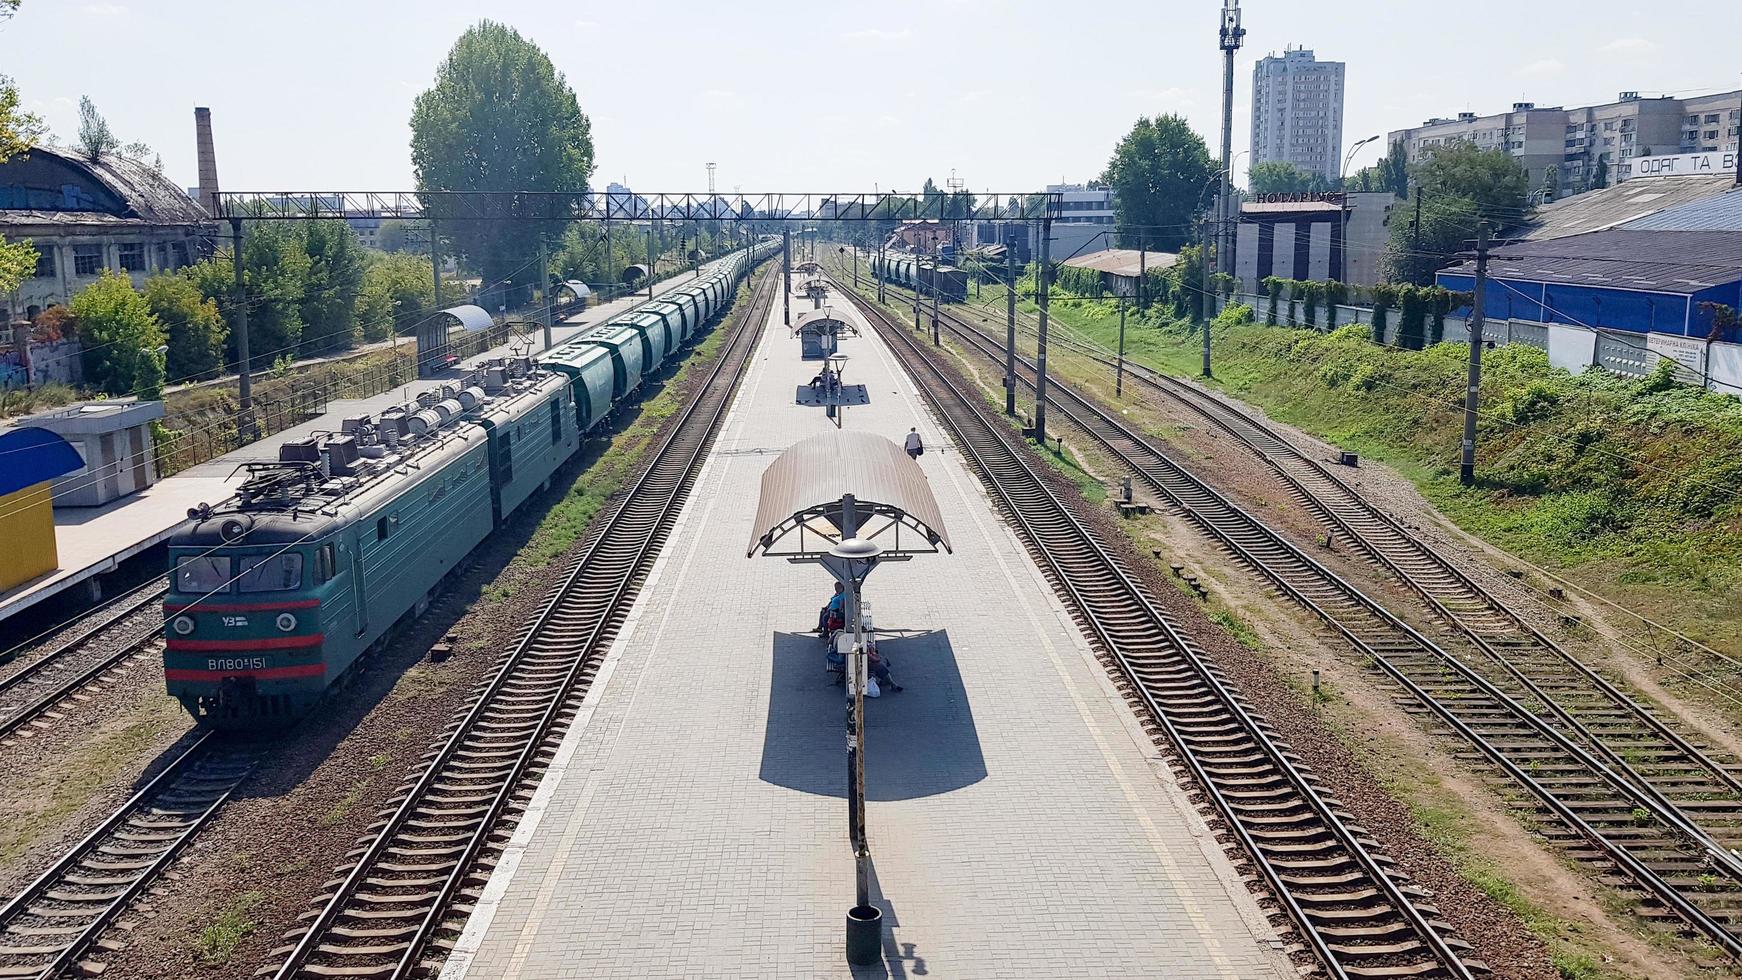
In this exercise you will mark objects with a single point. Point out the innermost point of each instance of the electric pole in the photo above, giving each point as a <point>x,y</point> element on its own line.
<point>652,257</point>
<point>544,288</point>
<point>1040,354</point>
<point>1231,36</point>
<point>1415,232</point>
<point>1119,371</point>
<point>244,371</point>
<point>1009,324</point>
<point>936,277</point>
<point>786,259</point>
<point>1467,470</point>
<point>1204,299</point>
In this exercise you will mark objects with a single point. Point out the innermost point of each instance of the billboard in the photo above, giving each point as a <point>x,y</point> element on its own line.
<point>1709,164</point>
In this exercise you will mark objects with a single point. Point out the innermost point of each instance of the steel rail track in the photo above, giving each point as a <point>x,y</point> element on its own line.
<point>46,928</point>
<point>407,883</point>
<point>1501,729</point>
<point>1619,725</point>
<point>1358,915</point>
<point>1616,724</point>
<point>35,689</point>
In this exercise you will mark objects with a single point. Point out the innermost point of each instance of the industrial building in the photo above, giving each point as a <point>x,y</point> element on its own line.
<point>1312,237</point>
<point>87,215</point>
<point>1647,282</point>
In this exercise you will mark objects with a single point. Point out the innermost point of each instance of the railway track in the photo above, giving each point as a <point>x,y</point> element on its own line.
<point>1618,725</point>
<point>30,694</point>
<point>52,925</point>
<point>1358,916</point>
<point>1613,815</point>
<point>408,887</point>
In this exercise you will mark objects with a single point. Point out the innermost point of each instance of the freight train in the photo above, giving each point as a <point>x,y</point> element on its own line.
<point>909,271</point>
<point>277,591</point>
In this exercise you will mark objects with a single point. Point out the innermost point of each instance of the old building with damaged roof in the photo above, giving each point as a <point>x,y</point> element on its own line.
<point>86,215</point>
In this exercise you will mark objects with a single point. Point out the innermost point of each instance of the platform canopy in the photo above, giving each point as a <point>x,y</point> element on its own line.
<point>33,455</point>
<point>817,321</point>
<point>469,318</point>
<point>803,491</point>
<point>575,288</point>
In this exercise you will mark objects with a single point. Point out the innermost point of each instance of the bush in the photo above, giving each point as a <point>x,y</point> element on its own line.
<point>120,338</point>
<point>196,331</point>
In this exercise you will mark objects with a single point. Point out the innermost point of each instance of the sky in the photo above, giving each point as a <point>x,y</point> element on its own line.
<point>818,97</point>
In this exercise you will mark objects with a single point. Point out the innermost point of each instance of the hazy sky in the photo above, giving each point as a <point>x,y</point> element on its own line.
<point>818,96</point>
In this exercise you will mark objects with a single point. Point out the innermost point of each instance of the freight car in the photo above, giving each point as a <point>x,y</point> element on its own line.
<point>276,592</point>
<point>909,271</point>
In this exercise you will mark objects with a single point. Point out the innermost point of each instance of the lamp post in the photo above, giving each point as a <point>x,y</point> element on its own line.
<point>1343,210</point>
<point>854,559</point>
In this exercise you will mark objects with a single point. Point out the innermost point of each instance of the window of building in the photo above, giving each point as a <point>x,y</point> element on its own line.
<point>87,260</point>
<point>132,256</point>
<point>178,253</point>
<point>45,263</point>
<point>163,255</point>
<point>1711,117</point>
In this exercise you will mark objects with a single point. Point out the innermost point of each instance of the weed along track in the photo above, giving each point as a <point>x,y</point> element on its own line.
<point>407,888</point>
<point>1356,914</point>
<point>1622,790</point>
<point>54,923</point>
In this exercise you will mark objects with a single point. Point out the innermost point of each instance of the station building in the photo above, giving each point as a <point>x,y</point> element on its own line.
<point>1312,237</point>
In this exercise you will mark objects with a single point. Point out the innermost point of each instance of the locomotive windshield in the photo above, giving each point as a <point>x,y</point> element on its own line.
<point>271,573</point>
<point>203,573</point>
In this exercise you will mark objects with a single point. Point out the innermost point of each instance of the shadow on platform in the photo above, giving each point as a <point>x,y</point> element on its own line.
<point>920,742</point>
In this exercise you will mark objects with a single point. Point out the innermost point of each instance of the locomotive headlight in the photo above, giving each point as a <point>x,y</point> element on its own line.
<point>182,625</point>
<point>286,622</point>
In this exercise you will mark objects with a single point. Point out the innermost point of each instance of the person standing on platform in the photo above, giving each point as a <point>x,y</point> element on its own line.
<point>915,448</point>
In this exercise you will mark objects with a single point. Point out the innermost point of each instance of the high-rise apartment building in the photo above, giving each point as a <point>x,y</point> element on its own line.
<point>1297,111</point>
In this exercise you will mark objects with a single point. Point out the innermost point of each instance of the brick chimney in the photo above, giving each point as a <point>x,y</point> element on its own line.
<point>208,159</point>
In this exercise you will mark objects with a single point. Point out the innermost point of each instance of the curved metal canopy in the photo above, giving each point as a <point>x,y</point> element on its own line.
<point>470,318</point>
<point>575,288</point>
<point>802,491</point>
<point>818,321</point>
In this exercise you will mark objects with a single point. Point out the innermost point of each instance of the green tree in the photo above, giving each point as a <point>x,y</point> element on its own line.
<point>500,117</point>
<point>1158,173</point>
<point>1394,170</point>
<point>331,287</point>
<point>17,263</point>
<point>1281,177</point>
<point>95,137</point>
<point>194,327</point>
<point>396,235</point>
<point>1461,186</point>
<point>1551,183</point>
<point>397,293</point>
<point>19,130</point>
<point>120,338</point>
<point>275,270</point>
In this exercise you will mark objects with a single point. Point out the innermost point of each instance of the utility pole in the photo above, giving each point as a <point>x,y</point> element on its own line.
<point>245,396</point>
<point>1040,354</point>
<point>1467,470</point>
<point>1204,299</point>
<point>918,267</point>
<point>1231,36</point>
<point>1142,269</point>
<point>544,288</point>
<point>881,272</point>
<point>786,261</point>
<point>936,283</point>
<point>1119,372</point>
<point>1415,231</point>
<point>652,257</point>
<point>1009,325</point>
<point>614,274</point>
<point>435,260</point>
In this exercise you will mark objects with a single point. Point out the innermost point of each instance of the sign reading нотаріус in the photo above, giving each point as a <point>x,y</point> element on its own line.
<point>1710,164</point>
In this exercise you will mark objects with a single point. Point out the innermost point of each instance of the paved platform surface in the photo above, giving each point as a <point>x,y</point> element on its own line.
<point>94,540</point>
<point>694,821</point>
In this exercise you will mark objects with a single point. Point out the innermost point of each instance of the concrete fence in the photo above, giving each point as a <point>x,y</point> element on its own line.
<point>1712,364</point>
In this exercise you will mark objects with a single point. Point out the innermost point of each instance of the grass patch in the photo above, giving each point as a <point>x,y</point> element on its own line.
<point>1631,486</point>
<point>217,942</point>
<point>1238,628</point>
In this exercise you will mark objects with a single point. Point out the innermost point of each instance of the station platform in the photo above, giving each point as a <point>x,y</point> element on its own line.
<point>693,822</point>
<point>92,541</point>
